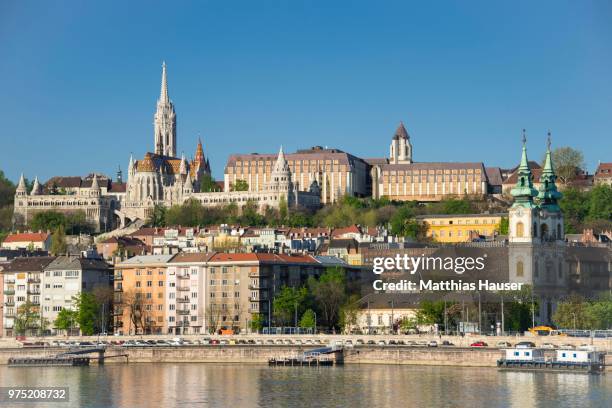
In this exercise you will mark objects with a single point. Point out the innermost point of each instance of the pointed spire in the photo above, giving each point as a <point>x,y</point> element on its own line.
<point>401,132</point>
<point>183,166</point>
<point>94,182</point>
<point>548,195</point>
<point>523,192</point>
<point>188,182</point>
<point>281,165</point>
<point>36,189</point>
<point>199,156</point>
<point>163,96</point>
<point>21,187</point>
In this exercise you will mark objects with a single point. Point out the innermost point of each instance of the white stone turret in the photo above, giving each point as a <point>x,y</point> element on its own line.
<point>400,151</point>
<point>188,188</point>
<point>183,166</point>
<point>21,187</point>
<point>36,188</point>
<point>94,190</point>
<point>280,178</point>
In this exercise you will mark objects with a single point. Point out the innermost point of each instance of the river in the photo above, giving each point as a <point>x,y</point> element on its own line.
<point>228,385</point>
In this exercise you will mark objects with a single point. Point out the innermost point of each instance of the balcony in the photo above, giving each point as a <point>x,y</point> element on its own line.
<point>35,302</point>
<point>9,292</point>
<point>183,276</point>
<point>9,303</point>
<point>9,281</point>
<point>9,315</point>
<point>183,288</point>
<point>182,311</point>
<point>118,289</point>
<point>254,287</point>
<point>182,300</point>
<point>34,291</point>
<point>34,280</point>
<point>118,277</point>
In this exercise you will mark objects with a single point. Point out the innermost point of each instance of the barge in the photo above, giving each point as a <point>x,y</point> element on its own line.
<point>564,360</point>
<point>48,361</point>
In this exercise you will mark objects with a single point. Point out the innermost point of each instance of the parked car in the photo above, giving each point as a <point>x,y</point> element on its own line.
<point>359,342</point>
<point>371,342</point>
<point>411,343</point>
<point>548,346</point>
<point>567,346</point>
<point>478,344</point>
<point>447,343</point>
<point>432,343</point>
<point>525,344</point>
<point>224,342</point>
<point>504,344</point>
<point>381,343</point>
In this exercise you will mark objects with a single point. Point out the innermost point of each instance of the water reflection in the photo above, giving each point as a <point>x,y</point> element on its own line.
<point>185,384</point>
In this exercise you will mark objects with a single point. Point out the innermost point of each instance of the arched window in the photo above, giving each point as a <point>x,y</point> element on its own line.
<point>544,231</point>
<point>520,229</point>
<point>520,269</point>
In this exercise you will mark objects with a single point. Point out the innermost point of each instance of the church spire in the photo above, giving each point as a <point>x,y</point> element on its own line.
<point>163,96</point>
<point>36,188</point>
<point>523,192</point>
<point>548,195</point>
<point>164,121</point>
<point>21,187</point>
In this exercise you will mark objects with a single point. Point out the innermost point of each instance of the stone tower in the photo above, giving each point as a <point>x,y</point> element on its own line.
<point>164,121</point>
<point>400,151</point>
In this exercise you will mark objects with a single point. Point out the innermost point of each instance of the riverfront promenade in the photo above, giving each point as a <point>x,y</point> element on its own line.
<point>460,354</point>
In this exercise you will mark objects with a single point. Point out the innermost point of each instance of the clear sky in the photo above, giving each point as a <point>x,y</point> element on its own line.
<point>79,82</point>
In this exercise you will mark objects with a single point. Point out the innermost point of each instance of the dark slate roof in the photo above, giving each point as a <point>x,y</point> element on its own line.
<point>494,176</point>
<point>73,262</point>
<point>29,264</point>
<point>315,153</point>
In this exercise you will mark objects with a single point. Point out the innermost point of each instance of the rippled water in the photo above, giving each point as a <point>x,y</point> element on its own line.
<point>228,385</point>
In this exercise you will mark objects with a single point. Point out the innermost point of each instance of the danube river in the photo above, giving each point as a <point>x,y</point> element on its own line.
<point>227,385</point>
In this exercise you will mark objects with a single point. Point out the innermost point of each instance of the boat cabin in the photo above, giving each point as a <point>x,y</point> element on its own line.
<point>577,356</point>
<point>524,354</point>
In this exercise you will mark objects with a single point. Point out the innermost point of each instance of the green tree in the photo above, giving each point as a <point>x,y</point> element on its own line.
<point>257,322</point>
<point>27,319</point>
<point>330,294</point>
<point>208,184</point>
<point>308,319</point>
<point>58,242</point>
<point>288,302</point>
<point>47,221</point>
<point>77,223</point>
<point>66,320</point>
<point>600,203</point>
<point>504,226</point>
<point>404,224</point>
<point>572,314</point>
<point>567,162</point>
<point>190,214</point>
<point>455,206</point>
<point>283,209</point>
<point>6,218</point>
<point>349,313</point>
<point>86,308</point>
<point>600,313</point>
<point>240,185</point>
<point>575,207</point>
<point>7,190</point>
<point>250,215</point>
<point>158,216</point>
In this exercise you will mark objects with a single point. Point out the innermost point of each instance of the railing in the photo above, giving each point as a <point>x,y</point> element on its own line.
<point>33,280</point>
<point>10,303</point>
<point>183,276</point>
<point>118,289</point>
<point>9,292</point>
<point>119,277</point>
<point>9,315</point>
<point>9,282</point>
<point>34,291</point>
<point>182,300</point>
<point>182,311</point>
<point>35,302</point>
<point>183,288</point>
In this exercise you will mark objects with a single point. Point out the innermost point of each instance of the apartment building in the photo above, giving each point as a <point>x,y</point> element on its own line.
<point>139,301</point>
<point>65,278</point>
<point>22,289</point>
<point>186,290</point>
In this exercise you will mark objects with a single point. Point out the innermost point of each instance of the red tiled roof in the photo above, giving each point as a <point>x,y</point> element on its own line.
<point>261,257</point>
<point>352,229</point>
<point>27,237</point>
<point>603,170</point>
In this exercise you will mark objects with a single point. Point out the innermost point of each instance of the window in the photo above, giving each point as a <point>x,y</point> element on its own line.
<point>171,319</point>
<point>57,273</point>
<point>520,269</point>
<point>138,284</point>
<point>520,229</point>
<point>57,308</point>
<point>149,295</point>
<point>172,295</point>
<point>160,283</point>
<point>194,318</point>
<point>194,295</point>
<point>172,306</point>
<point>194,307</point>
<point>72,274</point>
<point>149,283</point>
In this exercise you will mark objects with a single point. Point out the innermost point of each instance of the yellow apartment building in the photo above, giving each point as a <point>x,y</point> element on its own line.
<point>461,228</point>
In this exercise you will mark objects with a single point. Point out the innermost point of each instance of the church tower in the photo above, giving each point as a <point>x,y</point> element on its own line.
<point>280,178</point>
<point>524,213</point>
<point>164,121</point>
<point>400,151</point>
<point>551,219</point>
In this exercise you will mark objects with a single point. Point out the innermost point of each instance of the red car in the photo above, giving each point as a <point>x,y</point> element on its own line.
<point>478,344</point>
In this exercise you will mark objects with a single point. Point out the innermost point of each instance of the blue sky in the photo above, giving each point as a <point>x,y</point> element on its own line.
<point>79,82</point>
